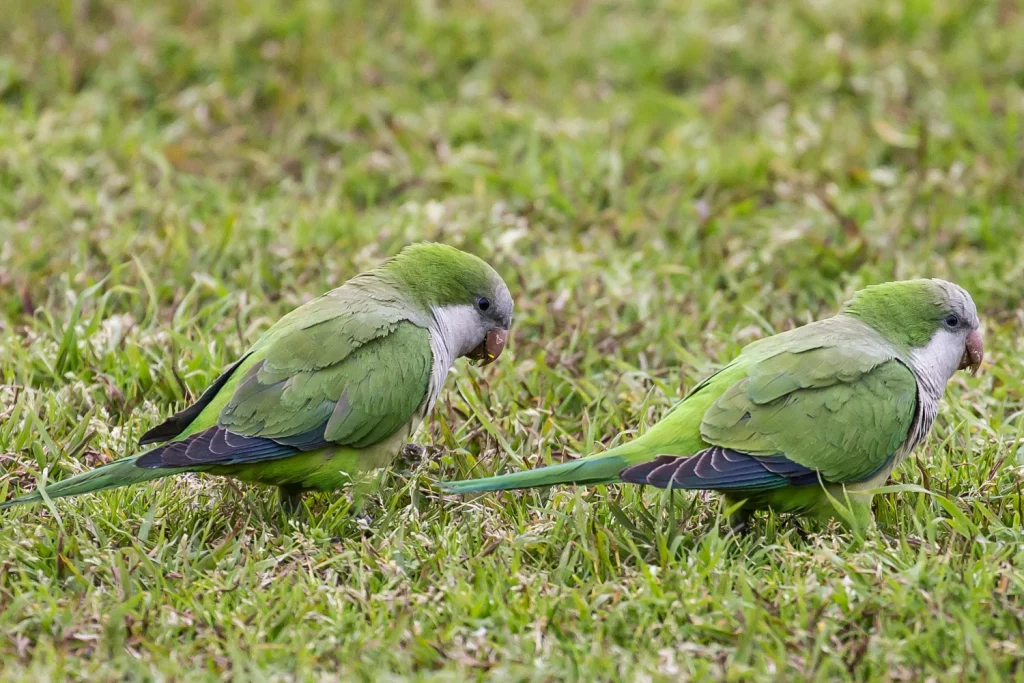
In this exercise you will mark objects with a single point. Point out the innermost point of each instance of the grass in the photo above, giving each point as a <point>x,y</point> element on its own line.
<point>660,183</point>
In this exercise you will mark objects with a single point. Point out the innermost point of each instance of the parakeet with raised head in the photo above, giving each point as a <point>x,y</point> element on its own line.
<point>334,388</point>
<point>827,409</point>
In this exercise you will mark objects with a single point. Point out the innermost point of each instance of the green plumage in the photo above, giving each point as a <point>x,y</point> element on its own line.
<point>112,475</point>
<point>334,388</point>
<point>823,410</point>
<point>841,411</point>
<point>358,390</point>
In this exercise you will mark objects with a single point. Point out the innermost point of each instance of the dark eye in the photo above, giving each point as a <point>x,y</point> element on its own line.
<point>483,303</point>
<point>952,320</point>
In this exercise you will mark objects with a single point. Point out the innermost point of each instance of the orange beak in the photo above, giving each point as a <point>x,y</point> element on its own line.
<point>974,352</point>
<point>491,347</point>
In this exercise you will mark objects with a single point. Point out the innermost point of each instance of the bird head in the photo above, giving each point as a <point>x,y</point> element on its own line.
<point>470,303</point>
<point>934,321</point>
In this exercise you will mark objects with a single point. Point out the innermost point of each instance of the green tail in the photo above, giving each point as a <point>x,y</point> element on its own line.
<point>118,473</point>
<point>595,469</point>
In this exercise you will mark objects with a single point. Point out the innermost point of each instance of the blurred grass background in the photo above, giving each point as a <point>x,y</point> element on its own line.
<point>660,183</point>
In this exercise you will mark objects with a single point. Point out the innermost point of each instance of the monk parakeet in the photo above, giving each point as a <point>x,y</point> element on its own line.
<point>828,408</point>
<point>335,387</point>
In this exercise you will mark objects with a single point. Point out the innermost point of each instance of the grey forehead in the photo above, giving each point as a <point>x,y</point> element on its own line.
<point>960,301</point>
<point>503,298</point>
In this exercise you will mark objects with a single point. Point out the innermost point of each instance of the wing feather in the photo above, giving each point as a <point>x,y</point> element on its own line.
<point>842,409</point>
<point>831,401</point>
<point>348,374</point>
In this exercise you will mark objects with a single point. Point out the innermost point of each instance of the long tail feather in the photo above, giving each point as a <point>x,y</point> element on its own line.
<point>599,469</point>
<point>118,473</point>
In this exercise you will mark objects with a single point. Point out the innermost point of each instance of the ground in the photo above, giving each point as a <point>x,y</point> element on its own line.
<point>660,183</point>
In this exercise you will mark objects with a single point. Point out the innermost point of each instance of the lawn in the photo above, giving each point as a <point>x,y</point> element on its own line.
<point>660,183</point>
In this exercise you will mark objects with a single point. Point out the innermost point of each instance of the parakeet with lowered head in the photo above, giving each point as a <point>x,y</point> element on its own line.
<point>827,409</point>
<point>334,388</point>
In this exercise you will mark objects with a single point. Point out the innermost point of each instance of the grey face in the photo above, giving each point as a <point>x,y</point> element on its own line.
<point>494,312</point>
<point>961,313</point>
<point>495,307</point>
<point>960,320</point>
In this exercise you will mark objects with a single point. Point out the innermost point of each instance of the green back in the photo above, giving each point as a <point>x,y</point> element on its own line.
<point>830,396</point>
<point>349,367</point>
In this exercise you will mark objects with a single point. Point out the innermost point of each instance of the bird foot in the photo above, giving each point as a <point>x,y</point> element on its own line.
<point>290,497</point>
<point>739,524</point>
<point>912,541</point>
<point>411,454</point>
<point>364,523</point>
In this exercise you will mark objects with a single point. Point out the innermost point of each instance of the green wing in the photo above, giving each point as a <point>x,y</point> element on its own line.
<point>307,385</point>
<point>825,401</point>
<point>841,411</point>
<point>347,369</point>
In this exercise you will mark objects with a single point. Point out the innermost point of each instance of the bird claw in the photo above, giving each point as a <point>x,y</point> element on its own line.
<point>290,498</point>
<point>412,453</point>
<point>739,524</point>
<point>365,525</point>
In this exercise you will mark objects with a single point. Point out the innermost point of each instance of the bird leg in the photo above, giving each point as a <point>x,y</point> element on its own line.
<point>290,497</point>
<point>411,454</point>
<point>739,522</point>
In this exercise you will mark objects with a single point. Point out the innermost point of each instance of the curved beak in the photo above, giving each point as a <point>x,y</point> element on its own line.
<point>974,352</point>
<point>490,348</point>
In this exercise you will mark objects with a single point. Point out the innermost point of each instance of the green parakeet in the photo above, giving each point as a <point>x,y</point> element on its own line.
<point>335,387</point>
<point>830,407</point>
